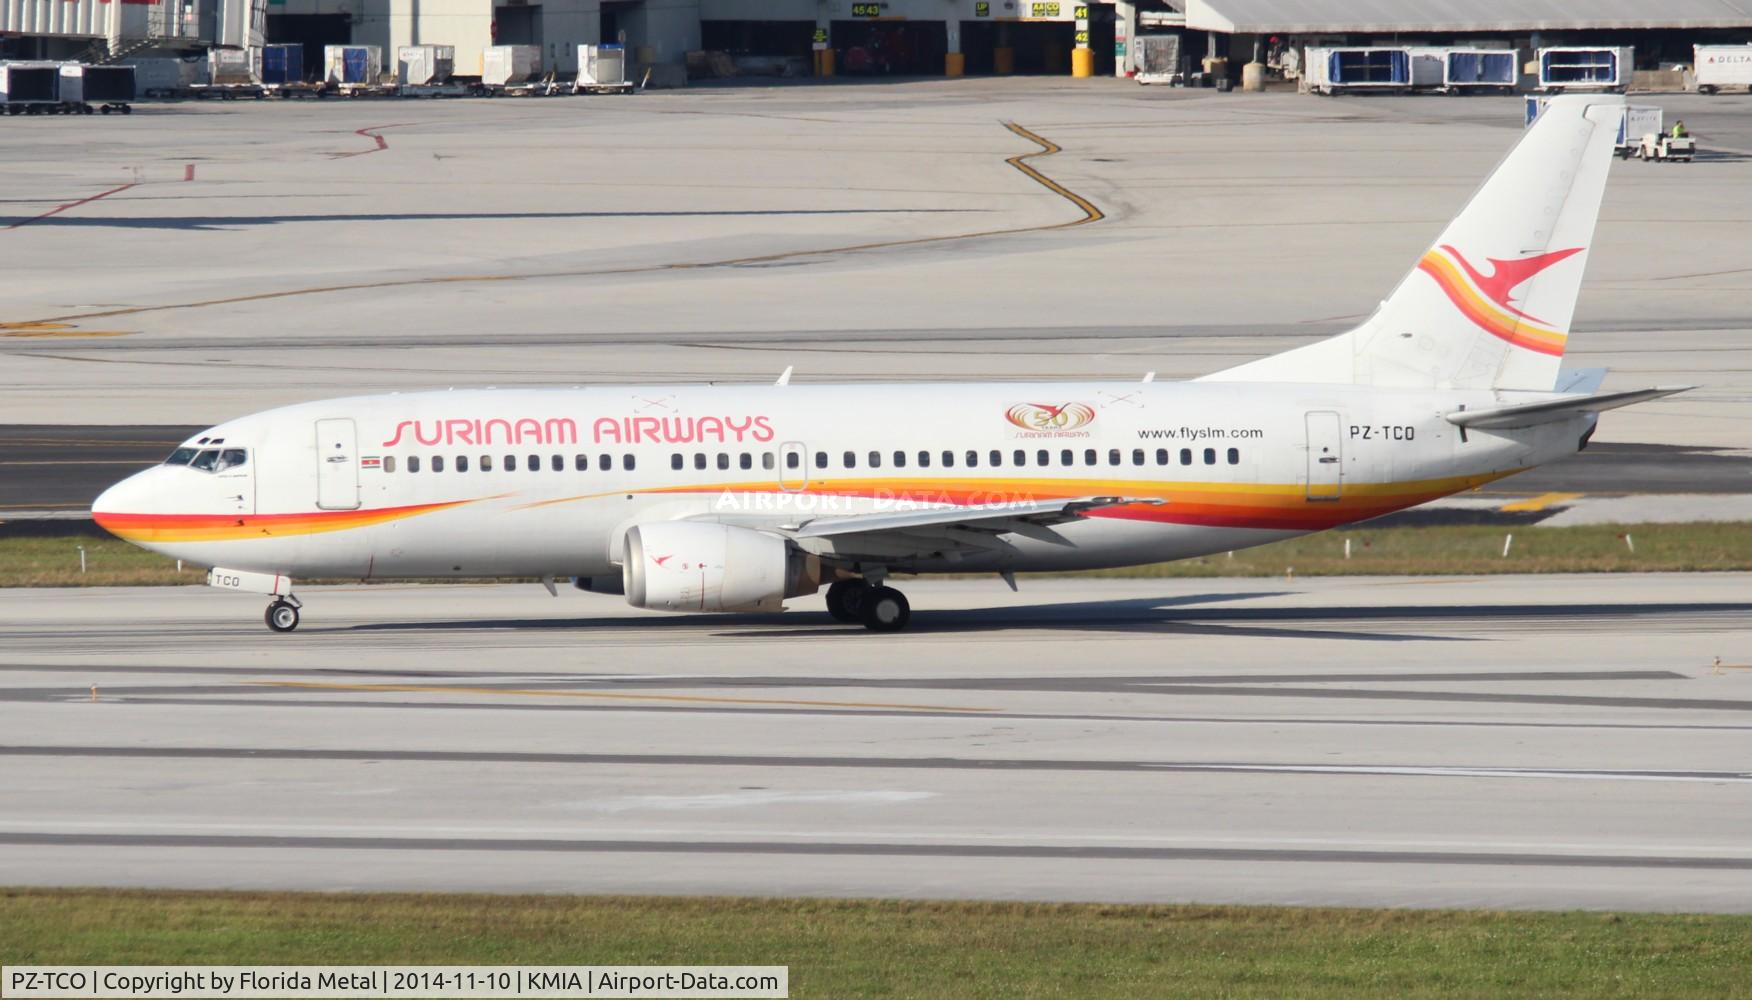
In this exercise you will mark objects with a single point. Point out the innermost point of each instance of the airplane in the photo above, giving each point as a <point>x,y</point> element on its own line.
<point>714,498</point>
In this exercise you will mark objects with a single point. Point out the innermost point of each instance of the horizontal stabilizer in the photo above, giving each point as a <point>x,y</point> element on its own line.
<point>1552,411</point>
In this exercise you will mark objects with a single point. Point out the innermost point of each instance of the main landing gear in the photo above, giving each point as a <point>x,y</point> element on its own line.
<point>282,615</point>
<point>879,608</point>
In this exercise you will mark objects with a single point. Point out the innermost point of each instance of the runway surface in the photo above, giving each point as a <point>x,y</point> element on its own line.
<point>1523,742</point>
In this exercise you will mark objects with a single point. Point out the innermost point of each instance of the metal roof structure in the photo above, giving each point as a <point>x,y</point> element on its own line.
<point>1305,17</point>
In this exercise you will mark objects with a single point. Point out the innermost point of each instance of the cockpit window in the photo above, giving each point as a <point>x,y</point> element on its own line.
<point>205,460</point>
<point>231,458</point>
<point>181,456</point>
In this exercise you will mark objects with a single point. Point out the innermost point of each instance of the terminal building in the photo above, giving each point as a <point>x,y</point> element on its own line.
<point>867,37</point>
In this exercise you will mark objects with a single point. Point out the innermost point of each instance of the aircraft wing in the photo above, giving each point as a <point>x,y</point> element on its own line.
<point>1553,410</point>
<point>999,518</point>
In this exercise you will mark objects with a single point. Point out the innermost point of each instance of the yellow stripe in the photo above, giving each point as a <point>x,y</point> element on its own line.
<point>613,695</point>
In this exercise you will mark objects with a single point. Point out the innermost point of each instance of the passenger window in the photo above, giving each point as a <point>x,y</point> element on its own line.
<point>900,459</point>
<point>766,460</point>
<point>1234,456</point>
<point>1043,457</point>
<point>924,459</point>
<point>510,463</point>
<point>1021,457</point>
<point>437,463</point>
<point>1186,456</point>
<point>996,457</point>
<point>851,459</point>
<point>627,462</point>
<point>231,458</point>
<point>389,463</point>
<point>535,463</point>
<point>972,458</point>
<point>582,462</point>
<point>557,463</point>
<point>723,460</point>
<point>793,460</point>
<point>675,461</point>
<point>747,461</point>
<point>699,459</point>
<point>413,463</point>
<point>205,460</point>
<point>181,456</point>
<point>821,460</point>
<point>605,463</point>
<point>1065,457</point>
<point>1088,456</point>
<point>1210,456</point>
<point>462,463</point>
<point>486,463</point>
<point>948,460</point>
<point>1137,456</point>
<point>875,460</point>
<point>1113,456</point>
<point>1161,456</point>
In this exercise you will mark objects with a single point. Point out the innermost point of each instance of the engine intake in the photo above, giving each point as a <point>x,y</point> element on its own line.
<point>701,566</point>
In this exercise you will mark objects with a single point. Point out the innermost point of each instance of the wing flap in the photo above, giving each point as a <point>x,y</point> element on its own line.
<point>1022,518</point>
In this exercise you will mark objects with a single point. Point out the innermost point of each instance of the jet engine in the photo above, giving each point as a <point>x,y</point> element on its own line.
<point>701,566</point>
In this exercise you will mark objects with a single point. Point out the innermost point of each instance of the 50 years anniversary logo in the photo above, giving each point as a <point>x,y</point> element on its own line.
<point>1051,420</point>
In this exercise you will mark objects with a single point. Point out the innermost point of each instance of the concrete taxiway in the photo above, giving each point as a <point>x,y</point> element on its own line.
<point>1529,742</point>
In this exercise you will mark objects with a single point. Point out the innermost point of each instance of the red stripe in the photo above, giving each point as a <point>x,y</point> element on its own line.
<point>72,204</point>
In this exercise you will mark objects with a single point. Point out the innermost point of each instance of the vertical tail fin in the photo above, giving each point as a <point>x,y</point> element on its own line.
<point>1489,304</point>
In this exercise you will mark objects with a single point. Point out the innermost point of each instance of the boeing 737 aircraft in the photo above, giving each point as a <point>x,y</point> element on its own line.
<point>734,498</point>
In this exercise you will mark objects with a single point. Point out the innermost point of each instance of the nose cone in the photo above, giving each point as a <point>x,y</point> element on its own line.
<point>118,507</point>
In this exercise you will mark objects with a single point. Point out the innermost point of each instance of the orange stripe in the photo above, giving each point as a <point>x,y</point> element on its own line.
<point>225,528</point>
<point>1484,313</point>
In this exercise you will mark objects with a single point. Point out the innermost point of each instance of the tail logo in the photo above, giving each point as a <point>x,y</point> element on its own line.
<point>1487,299</point>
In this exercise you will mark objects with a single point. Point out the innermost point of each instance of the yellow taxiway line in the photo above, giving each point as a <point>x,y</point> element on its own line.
<point>1539,502</point>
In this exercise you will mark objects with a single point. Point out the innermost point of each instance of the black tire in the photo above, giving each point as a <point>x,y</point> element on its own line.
<point>885,610</point>
<point>845,601</point>
<point>281,616</point>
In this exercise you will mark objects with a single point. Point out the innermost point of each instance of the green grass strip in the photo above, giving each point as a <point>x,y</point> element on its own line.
<point>862,948</point>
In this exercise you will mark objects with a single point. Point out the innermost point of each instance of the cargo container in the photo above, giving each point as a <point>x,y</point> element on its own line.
<point>1582,68</point>
<point>166,77</point>
<point>602,69</point>
<point>510,65</point>
<point>425,65</point>
<point>1427,66</point>
<point>1333,71</point>
<point>1157,58</point>
<point>230,68</point>
<point>110,88</point>
<point>353,65</point>
<point>1718,66</point>
<point>30,87</point>
<point>1481,69</point>
<point>282,64</point>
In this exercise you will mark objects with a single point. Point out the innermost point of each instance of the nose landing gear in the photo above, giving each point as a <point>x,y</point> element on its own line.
<point>282,615</point>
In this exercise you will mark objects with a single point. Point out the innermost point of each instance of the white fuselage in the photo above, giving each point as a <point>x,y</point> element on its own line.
<point>486,483</point>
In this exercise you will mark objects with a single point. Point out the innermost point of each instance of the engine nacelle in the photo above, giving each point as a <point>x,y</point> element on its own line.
<point>701,566</point>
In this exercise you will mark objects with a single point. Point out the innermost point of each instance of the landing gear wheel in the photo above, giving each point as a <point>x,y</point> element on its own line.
<point>885,610</point>
<point>282,616</point>
<point>845,600</point>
